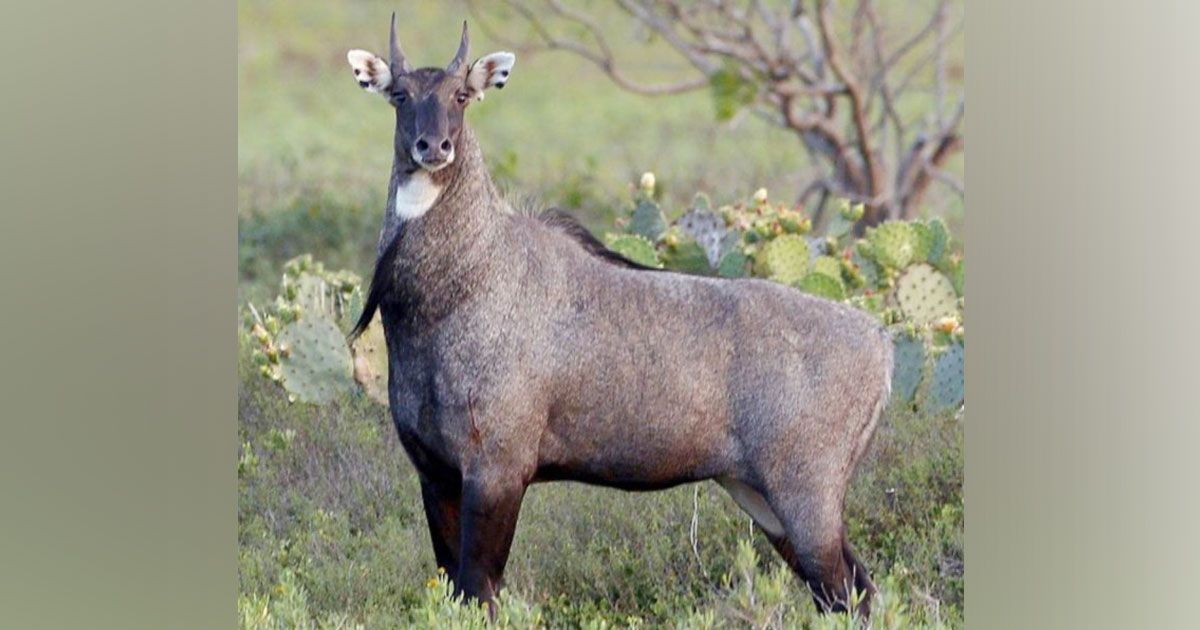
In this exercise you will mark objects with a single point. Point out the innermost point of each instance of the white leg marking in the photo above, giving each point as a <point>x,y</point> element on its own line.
<point>753,504</point>
<point>415,197</point>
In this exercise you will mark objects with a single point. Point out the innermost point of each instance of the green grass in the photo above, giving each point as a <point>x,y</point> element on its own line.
<point>330,512</point>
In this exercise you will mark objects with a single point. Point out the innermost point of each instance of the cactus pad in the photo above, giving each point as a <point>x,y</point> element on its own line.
<point>908,360</point>
<point>352,309</point>
<point>371,362</point>
<point>314,360</point>
<point>822,285</point>
<point>940,243</point>
<point>648,220</point>
<point>893,243</point>
<point>829,266</point>
<point>843,221</point>
<point>869,270</point>
<point>785,258</point>
<point>922,241</point>
<point>733,264</point>
<point>839,226</point>
<point>635,248</point>
<point>687,256</point>
<point>956,276</point>
<point>946,381</point>
<point>816,247</point>
<point>308,288</point>
<point>708,229</point>
<point>926,295</point>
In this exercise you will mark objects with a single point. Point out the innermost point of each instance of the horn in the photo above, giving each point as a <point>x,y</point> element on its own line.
<point>396,58</point>
<point>460,59</point>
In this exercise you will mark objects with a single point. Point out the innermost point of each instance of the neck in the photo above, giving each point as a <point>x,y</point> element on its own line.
<point>461,193</point>
<point>445,232</point>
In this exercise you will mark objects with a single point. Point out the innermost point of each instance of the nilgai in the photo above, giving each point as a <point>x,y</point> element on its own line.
<point>521,351</point>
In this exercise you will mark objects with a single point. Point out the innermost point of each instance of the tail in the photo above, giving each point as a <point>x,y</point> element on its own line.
<point>381,283</point>
<point>867,432</point>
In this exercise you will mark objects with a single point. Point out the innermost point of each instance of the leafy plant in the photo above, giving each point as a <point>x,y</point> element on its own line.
<point>906,273</point>
<point>301,335</point>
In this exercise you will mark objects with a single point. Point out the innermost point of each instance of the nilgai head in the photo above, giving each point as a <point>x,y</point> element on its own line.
<point>429,102</point>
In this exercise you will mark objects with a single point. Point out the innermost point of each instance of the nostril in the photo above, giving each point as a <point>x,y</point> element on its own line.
<point>445,145</point>
<point>422,145</point>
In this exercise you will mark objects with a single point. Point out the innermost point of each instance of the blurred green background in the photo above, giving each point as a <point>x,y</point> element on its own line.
<point>309,140</point>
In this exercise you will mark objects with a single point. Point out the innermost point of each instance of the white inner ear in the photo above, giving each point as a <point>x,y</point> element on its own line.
<point>490,71</point>
<point>371,72</point>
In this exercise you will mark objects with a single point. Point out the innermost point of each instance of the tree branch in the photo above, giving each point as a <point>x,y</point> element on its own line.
<point>836,89</point>
<point>604,58</point>
<point>859,114</point>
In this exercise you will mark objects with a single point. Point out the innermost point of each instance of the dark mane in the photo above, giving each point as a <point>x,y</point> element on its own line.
<point>381,283</point>
<point>382,277</point>
<point>571,226</point>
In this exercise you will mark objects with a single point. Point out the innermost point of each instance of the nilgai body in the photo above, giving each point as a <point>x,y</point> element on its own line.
<point>522,351</point>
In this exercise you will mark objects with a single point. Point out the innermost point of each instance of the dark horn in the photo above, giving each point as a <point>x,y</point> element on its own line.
<point>460,60</point>
<point>395,56</point>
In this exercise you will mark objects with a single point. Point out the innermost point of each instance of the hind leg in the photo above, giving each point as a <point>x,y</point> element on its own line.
<point>815,546</point>
<point>862,578</point>
<point>822,558</point>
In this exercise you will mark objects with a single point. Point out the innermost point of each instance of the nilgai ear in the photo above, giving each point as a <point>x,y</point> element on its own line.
<point>370,71</point>
<point>490,71</point>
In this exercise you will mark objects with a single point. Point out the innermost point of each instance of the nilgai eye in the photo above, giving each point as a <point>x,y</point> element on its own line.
<point>461,98</point>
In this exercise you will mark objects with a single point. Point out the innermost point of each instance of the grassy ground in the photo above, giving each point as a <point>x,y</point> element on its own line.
<point>331,533</point>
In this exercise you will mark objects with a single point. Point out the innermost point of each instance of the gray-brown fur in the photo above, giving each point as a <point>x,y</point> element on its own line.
<point>519,355</point>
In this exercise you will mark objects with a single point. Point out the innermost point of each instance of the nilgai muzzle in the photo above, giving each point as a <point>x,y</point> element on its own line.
<point>521,351</point>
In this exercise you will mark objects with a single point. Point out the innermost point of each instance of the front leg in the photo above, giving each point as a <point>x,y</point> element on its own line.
<point>442,500</point>
<point>491,503</point>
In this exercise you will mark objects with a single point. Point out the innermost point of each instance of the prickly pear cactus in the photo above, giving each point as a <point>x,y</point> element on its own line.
<point>708,229</point>
<point>371,362</point>
<point>940,240</point>
<point>785,259</point>
<point>907,274</point>
<point>822,285</point>
<point>634,247</point>
<point>734,264</point>
<point>648,220</point>
<point>817,247</point>
<point>922,241</point>
<point>867,268</point>
<point>314,360</point>
<point>953,267</point>
<point>925,294</point>
<point>301,343</point>
<point>829,266</point>
<point>908,359</point>
<point>893,243</point>
<point>688,256</point>
<point>843,222</point>
<point>946,380</point>
<point>308,288</point>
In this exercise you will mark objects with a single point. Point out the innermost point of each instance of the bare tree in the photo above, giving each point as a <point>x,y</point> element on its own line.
<point>828,76</point>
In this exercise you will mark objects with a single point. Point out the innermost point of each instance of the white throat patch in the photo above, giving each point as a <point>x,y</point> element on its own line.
<point>416,196</point>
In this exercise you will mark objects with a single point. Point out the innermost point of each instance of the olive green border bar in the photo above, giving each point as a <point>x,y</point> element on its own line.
<point>1081,495</point>
<point>118,490</point>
